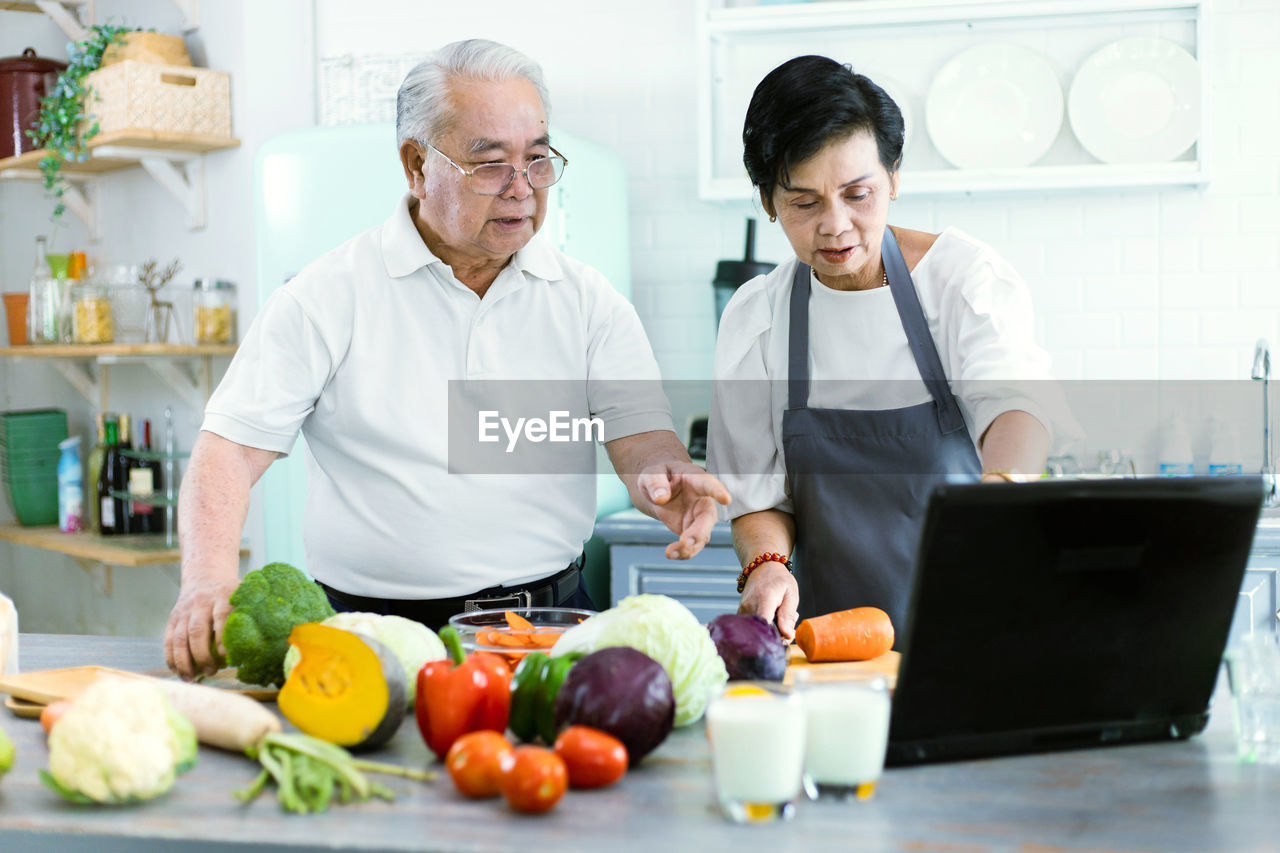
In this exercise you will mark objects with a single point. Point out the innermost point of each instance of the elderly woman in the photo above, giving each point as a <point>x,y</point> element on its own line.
<point>882,360</point>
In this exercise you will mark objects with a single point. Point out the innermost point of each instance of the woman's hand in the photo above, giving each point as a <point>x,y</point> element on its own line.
<point>772,594</point>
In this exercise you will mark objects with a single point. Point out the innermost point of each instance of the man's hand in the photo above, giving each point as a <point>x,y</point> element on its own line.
<point>684,498</point>
<point>194,634</point>
<point>211,512</point>
<point>772,594</point>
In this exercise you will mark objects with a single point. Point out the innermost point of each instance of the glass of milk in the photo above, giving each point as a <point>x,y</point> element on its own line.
<point>757,735</point>
<point>847,732</point>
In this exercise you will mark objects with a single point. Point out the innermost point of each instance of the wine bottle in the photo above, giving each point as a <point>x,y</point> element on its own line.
<point>120,477</point>
<point>144,477</point>
<point>107,522</point>
<point>93,469</point>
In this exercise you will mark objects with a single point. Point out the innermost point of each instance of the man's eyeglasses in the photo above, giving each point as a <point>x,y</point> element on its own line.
<point>494,178</point>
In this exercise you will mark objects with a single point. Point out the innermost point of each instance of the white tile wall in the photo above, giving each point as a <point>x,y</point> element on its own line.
<point>1171,284</point>
<point>1175,283</point>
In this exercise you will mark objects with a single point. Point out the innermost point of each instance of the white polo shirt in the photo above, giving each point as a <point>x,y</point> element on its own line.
<point>356,353</point>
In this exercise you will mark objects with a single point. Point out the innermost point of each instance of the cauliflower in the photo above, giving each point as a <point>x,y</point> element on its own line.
<point>412,642</point>
<point>267,604</point>
<point>120,742</point>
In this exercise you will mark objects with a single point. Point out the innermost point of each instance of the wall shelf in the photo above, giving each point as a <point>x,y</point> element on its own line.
<point>106,352</point>
<point>97,554</point>
<point>67,14</point>
<point>905,43</point>
<point>141,550</point>
<point>174,160</point>
<point>64,13</point>
<point>74,362</point>
<point>950,182</point>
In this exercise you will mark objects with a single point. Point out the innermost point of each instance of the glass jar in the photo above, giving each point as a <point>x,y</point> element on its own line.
<point>43,307</point>
<point>91,314</point>
<point>214,311</point>
<point>130,302</point>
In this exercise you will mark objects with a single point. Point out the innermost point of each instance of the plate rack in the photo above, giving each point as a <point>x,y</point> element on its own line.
<point>908,42</point>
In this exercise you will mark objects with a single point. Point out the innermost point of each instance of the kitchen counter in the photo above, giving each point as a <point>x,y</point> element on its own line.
<point>1188,795</point>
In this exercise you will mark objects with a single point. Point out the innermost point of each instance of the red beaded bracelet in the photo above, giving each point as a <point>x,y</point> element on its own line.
<point>757,563</point>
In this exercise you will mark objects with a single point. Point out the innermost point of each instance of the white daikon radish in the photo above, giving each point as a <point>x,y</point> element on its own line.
<point>223,719</point>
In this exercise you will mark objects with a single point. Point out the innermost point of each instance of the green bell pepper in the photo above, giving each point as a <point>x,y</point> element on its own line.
<point>534,688</point>
<point>526,684</point>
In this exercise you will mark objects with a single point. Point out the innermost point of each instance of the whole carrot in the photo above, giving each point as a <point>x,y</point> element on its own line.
<point>862,633</point>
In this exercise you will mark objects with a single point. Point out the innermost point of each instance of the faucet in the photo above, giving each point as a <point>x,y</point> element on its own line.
<point>1262,370</point>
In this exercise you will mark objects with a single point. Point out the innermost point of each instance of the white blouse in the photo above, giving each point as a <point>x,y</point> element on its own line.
<point>980,317</point>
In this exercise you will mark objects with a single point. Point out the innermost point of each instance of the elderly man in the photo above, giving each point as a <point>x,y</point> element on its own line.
<point>356,353</point>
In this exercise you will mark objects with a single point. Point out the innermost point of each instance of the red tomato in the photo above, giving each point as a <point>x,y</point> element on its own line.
<point>594,758</point>
<point>53,712</point>
<point>535,780</point>
<point>476,762</point>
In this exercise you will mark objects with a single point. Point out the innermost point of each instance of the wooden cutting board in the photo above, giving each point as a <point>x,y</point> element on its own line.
<point>49,685</point>
<point>225,679</point>
<point>886,665</point>
<point>23,708</point>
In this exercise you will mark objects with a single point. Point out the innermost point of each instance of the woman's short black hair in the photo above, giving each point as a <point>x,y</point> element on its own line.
<point>805,103</point>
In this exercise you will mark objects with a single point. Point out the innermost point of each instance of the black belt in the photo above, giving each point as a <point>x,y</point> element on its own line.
<point>547,592</point>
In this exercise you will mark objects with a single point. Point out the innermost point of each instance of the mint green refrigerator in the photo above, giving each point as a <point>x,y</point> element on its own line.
<point>316,188</point>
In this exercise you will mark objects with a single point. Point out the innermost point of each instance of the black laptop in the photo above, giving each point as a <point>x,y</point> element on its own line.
<point>1065,614</point>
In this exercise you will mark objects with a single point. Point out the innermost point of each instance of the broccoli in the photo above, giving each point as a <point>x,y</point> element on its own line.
<point>266,606</point>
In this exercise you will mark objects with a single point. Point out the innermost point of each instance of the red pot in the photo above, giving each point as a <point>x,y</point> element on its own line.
<point>24,80</point>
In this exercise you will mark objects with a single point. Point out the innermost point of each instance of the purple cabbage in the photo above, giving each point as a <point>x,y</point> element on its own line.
<point>623,692</point>
<point>750,647</point>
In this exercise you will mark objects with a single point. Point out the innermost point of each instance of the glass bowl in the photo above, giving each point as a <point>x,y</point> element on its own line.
<point>489,630</point>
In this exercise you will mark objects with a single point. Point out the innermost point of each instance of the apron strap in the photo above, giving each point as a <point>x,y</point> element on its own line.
<point>919,339</point>
<point>798,340</point>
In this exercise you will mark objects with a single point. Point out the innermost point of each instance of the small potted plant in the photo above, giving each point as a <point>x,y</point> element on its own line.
<point>63,127</point>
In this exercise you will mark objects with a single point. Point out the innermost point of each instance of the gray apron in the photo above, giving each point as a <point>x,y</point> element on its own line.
<point>859,480</point>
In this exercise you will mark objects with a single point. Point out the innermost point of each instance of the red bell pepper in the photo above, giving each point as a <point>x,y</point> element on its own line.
<point>461,694</point>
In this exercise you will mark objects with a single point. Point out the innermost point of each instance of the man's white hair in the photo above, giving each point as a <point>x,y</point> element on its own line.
<point>424,110</point>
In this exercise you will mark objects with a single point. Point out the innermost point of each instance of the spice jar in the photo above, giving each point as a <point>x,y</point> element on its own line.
<point>215,311</point>
<point>91,314</point>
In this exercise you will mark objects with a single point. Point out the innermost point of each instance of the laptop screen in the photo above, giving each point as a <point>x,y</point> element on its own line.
<point>1065,613</point>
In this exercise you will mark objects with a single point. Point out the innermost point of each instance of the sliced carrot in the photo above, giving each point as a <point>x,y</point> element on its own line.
<point>862,633</point>
<point>539,639</point>
<point>518,623</point>
<point>502,638</point>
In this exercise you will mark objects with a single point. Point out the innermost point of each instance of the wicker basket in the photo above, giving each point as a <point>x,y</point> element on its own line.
<point>133,95</point>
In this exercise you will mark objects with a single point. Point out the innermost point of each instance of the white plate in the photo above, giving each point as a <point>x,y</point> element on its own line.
<point>1136,100</point>
<point>998,105</point>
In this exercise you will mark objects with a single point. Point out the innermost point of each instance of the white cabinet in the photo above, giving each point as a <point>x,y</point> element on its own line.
<point>903,44</point>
